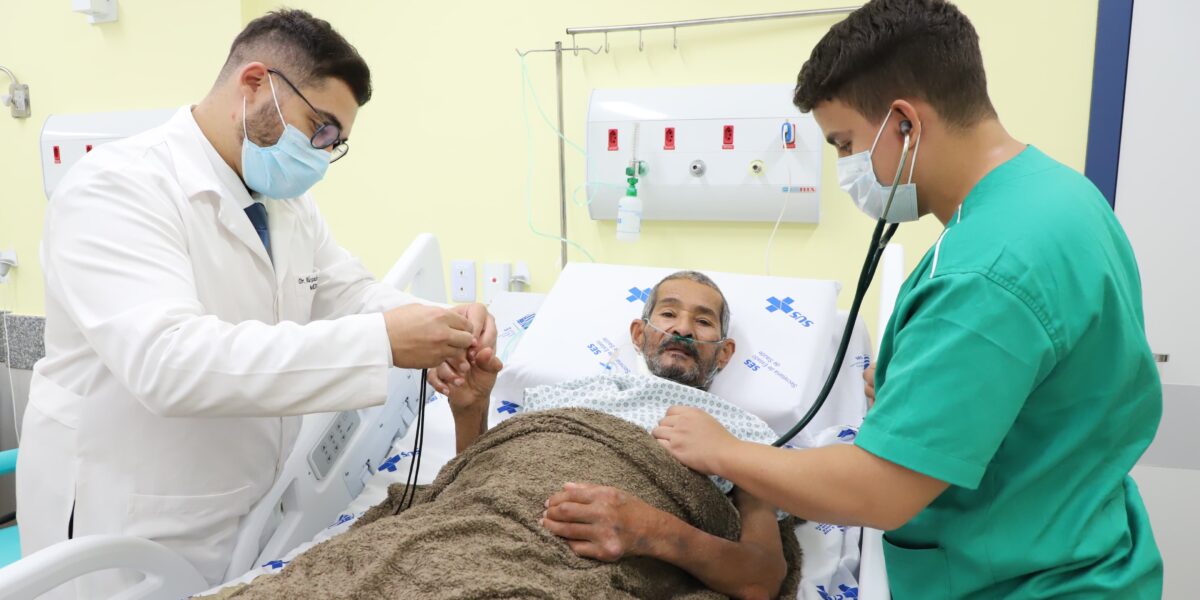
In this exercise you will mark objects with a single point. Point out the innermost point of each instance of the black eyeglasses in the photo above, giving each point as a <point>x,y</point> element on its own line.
<point>328,135</point>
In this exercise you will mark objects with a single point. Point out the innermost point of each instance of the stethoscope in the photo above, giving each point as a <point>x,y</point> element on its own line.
<point>879,240</point>
<point>414,464</point>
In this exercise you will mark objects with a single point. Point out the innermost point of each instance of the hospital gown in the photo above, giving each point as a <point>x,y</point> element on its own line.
<point>643,400</point>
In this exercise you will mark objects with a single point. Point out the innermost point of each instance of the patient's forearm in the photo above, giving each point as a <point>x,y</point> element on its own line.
<point>752,567</point>
<point>469,424</point>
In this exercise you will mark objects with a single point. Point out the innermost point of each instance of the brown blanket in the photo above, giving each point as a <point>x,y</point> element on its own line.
<point>474,532</point>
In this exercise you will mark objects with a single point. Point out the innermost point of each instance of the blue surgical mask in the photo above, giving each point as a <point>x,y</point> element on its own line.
<point>286,169</point>
<point>856,175</point>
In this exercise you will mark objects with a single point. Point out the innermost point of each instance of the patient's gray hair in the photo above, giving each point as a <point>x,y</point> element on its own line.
<point>698,277</point>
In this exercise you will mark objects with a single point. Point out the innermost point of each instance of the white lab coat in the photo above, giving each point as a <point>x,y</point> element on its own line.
<point>176,349</point>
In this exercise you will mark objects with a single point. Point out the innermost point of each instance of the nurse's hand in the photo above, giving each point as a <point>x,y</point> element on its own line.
<point>423,337</point>
<point>694,438</point>
<point>869,377</point>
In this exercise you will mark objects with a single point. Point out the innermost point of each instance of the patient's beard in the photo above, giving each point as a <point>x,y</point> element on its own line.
<point>699,375</point>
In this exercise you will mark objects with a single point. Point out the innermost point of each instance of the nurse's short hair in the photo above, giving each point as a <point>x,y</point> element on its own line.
<point>307,50</point>
<point>697,277</point>
<point>894,49</point>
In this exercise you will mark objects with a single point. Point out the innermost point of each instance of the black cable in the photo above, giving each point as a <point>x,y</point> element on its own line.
<point>420,436</point>
<point>411,465</point>
<point>414,464</point>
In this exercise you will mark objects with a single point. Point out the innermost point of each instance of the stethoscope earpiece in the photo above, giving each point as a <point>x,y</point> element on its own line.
<point>905,126</point>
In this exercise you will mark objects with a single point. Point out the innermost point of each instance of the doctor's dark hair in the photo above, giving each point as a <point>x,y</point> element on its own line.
<point>306,49</point>
<point>891,49</point>
<point>698,277</point>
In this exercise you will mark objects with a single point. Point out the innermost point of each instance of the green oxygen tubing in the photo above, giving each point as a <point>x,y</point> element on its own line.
<point>879,241</point>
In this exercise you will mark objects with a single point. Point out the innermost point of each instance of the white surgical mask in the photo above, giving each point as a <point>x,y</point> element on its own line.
<point>856,175</point>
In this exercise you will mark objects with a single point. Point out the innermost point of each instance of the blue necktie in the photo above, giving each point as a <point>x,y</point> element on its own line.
<point>258,217</point>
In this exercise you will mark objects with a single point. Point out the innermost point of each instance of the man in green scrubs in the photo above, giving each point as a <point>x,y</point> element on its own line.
<point>1015,388</point>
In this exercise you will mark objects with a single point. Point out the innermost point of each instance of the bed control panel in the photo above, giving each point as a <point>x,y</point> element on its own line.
<point>326,452</point>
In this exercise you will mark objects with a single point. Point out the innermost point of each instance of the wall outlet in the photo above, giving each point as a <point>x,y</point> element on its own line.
<point>495,279</point>
<point>462,280</point>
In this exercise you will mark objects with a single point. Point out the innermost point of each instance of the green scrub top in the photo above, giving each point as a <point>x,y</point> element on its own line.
<point>1015,368</point>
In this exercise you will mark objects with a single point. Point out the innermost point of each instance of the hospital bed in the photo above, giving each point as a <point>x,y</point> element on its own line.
<point>319,496</point>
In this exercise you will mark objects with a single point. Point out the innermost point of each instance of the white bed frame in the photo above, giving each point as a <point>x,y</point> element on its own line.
<point>299,505</point>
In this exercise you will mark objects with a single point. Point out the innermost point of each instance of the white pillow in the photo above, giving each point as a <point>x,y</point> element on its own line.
<point>786,332</point>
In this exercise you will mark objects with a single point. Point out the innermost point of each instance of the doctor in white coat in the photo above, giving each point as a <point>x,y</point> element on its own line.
<point>196,303</point>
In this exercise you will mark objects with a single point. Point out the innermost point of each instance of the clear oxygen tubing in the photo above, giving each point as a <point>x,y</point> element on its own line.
<point>527,90</point>
<point>879,240</point>
<point>686,340</point>
<point>527,86</point>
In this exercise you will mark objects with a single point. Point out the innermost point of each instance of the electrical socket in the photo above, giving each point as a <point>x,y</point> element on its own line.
<point>462,280</point>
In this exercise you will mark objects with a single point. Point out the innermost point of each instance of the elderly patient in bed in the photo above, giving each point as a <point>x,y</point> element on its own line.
<point>573,498</point>
<point>682,335</point>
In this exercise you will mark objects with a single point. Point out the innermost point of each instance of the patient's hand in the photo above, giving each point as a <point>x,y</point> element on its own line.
<point>600,522</point>
<point>694,438</point>
<point>468,395</point>
<point>472,389</point>
<point>608,524</point>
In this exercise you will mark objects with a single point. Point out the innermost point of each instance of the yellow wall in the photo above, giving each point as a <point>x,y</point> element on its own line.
<point>156,55</point>
<point>442,146</point>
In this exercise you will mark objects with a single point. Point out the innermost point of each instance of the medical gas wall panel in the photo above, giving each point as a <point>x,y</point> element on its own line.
<point>67,138</point>
<point>711,153</point>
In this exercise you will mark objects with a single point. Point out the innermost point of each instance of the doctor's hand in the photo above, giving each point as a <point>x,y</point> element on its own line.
<point>482,323</point>
<point>694,438</point>
<point>600,522</point>
<point>424,337</point>
<point>869,377</point>
<point>452,374</point>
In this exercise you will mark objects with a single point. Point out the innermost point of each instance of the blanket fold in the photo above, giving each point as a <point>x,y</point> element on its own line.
<point>474,533</point>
